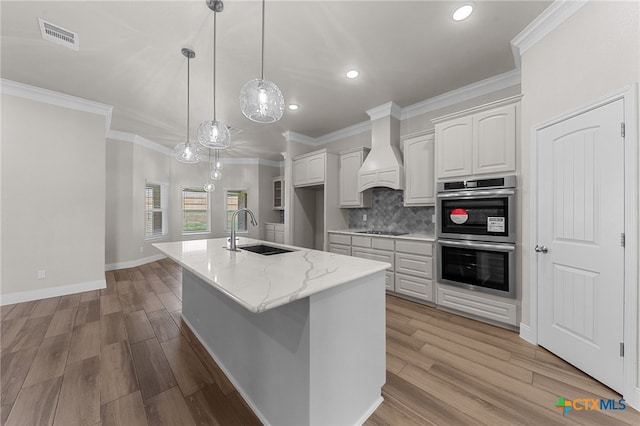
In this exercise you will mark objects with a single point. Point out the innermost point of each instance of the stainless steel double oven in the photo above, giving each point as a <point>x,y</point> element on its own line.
<point>476,235</point>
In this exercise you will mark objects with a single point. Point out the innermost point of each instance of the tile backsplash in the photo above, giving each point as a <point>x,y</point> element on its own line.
<point>387,213</point>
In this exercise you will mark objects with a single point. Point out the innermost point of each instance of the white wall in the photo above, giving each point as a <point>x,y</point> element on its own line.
<point>592,54</point>
<point>130,165</point>
<point>53,198</point>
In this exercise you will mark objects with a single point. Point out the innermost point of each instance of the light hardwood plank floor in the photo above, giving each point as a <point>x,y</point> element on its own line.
<point>123,356</point>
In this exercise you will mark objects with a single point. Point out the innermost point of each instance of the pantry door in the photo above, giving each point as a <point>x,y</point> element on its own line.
<point>580,252</point>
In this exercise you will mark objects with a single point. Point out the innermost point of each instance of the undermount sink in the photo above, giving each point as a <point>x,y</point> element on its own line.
<point>265,250</point>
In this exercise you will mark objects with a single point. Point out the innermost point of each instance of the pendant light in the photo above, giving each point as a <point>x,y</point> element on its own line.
<point>212,133</point>
<point>216,174</point>
<point>261,100</point>
<point>185,152</point>
<point>209,186</point>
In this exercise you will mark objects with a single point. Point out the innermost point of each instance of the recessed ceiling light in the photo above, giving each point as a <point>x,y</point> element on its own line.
<point>352,74</point>
<point>293,107</point>
<point>462,12</point>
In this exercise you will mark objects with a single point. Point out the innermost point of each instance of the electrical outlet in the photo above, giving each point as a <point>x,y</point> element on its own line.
<point>42,274</point>
<point>364,217</point>
<point>433,218</point>
<point>141,249</point>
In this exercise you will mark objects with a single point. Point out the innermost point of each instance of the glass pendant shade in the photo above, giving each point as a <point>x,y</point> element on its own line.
<point>186,153</point>
<point>213,134</point>
<point>261,101</point>
<point>216,174</point>
<point>209,187</point>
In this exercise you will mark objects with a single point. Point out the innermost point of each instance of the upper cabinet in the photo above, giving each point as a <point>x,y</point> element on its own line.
<point>350,162</point>
<point>478,141</point>
<point>418,170</point>
<point>309,169</point>
<point>278,193</point>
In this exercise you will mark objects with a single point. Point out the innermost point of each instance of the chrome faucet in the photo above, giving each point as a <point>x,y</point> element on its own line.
<point>234,221</point>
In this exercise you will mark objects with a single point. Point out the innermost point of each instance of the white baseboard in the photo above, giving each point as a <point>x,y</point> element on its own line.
<point>634,401</point>
<point>528,334</point>
<point>45,293</point>
<point>133,263</point>
<point>370,411</point>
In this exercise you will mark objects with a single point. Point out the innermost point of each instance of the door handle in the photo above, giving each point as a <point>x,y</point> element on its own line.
<point>541,249</point>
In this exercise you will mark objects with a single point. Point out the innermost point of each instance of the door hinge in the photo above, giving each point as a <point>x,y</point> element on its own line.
<point>622,239</point>
<point>621,349</point>
<point>622,129</point>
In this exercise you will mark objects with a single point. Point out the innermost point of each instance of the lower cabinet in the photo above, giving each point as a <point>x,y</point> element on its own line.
<point>274,232</point>
<point>411,272</point>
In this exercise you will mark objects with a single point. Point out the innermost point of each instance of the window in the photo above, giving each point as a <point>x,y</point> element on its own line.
<point>155,210</point>
<point>195,210</point>
<point>234,200</point>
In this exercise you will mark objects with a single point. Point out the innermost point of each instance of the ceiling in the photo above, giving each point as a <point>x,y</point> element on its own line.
<point>130,57</point>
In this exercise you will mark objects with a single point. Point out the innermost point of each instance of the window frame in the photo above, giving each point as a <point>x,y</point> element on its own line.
<point>227,218</point>
<point>163,209</point>
<point>195,188</point>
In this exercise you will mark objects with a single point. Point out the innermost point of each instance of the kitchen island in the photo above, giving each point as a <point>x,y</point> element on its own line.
<point>301,334</point>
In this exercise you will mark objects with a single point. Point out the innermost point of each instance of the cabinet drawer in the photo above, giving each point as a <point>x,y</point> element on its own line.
<point>340,249</point>
<point>340,239</point>
<point>383,243</point>
<point>361,241</point>
<point>415,265</point>
<point>279,237</point>
<point>389,281</point>
<point>270,236</point>
<point>414,247</point>
<point>371,254</point>
<point>420,288</point>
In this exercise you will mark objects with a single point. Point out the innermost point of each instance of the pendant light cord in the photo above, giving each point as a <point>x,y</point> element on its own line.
<point>215,16</point>
<point>188,104</point>
<point>262,61</point>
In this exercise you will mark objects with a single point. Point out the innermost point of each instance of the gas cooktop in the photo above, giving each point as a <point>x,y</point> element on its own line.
<point>376,232</point>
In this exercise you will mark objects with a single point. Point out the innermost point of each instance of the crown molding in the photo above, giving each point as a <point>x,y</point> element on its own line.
<point>385,110</point>
<point>50,97</point>
<point>291,136</point>
<point>146,143</point>
<point>138,140</point>
<point>474,90</point>
<point>355,129</point>
<point>552,17</point>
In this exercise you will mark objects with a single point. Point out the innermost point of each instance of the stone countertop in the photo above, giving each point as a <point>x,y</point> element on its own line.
<point>420,236</point>
<point>259,282</point>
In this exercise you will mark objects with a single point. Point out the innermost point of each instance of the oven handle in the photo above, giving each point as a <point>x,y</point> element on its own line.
<point>478,245</point>
<point>476,194</point>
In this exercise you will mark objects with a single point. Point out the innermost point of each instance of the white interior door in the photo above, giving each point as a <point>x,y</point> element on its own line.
<point>580,224</point>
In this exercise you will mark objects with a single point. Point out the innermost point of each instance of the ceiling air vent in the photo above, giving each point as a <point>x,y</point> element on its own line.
<point>59,35</point>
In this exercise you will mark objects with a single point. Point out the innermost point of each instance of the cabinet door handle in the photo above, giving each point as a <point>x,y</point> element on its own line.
<point>541,249</point>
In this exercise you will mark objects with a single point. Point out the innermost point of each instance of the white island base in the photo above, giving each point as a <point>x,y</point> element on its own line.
<point>319,360</point>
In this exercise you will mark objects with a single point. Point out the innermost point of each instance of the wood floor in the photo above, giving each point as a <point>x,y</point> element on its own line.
<point>122,356</point>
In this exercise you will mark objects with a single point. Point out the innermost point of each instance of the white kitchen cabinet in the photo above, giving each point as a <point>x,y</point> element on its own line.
<point>478,141</point>
<point>340,244</point>
<point>349,196</point>
<point>414,269</point>
<point>494,140</point>
<point>411,272</point>
<point>274,232</point>
<point>278,193</point>
<point>309,169</point>
<point>419,171</point>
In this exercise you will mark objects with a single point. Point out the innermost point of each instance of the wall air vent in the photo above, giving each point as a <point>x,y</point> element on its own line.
<point>59,35</point>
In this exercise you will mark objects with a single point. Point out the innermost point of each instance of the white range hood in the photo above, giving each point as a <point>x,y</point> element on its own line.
<point>383,166</point>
